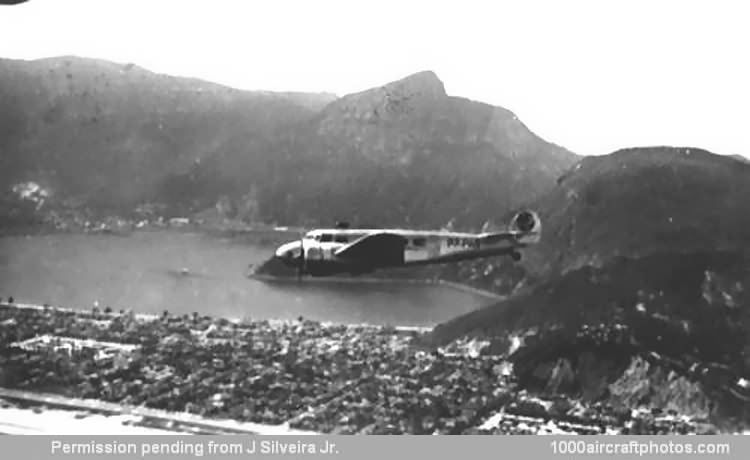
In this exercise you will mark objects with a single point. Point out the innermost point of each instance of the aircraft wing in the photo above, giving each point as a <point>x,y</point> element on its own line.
<point>513,236</point>
<point>375,249</point>
<point>497,237</point>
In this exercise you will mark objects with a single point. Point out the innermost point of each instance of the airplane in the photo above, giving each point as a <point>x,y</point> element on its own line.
<point>325,252</point>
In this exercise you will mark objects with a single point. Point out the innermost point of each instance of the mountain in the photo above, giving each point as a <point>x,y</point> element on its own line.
<point>408,154</point>
<point>638,201</point>
<point>110,137</point>
<point>674,320</point>
<point>643,265</point>
<point>632,203</point>
<point>114,135</point>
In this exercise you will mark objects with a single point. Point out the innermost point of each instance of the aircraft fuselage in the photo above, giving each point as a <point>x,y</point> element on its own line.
<point>330,251</point>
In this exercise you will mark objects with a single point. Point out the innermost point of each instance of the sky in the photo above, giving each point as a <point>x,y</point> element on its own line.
<point>590,75</point>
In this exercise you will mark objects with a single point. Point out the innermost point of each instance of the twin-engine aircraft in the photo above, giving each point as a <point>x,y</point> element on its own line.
<point>325,252</point>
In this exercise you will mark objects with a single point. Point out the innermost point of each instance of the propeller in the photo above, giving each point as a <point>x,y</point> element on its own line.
<point>302,261</point>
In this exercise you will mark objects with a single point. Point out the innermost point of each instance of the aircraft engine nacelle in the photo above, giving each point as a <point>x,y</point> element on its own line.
<point>527,222</point>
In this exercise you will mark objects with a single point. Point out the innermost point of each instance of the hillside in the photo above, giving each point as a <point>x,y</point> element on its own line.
<point>677,321</point>
<point>663,286</point>
<point>643,275</point>
<point>630,203</point>
<point>110,137</point>
<point>638,201</point>
<point>408,154</point>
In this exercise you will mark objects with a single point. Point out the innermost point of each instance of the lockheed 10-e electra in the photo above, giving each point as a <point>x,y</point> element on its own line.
<point>324,252</point>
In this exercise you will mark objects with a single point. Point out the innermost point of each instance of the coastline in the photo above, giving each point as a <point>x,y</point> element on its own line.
<point>146,317</point>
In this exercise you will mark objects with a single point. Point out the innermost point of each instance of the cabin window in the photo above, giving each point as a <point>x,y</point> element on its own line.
<point>419,242</point>
<point>326,238</point>
<point>341,239</point>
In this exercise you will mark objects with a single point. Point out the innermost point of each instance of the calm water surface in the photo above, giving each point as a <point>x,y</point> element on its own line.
<point>141,271</point>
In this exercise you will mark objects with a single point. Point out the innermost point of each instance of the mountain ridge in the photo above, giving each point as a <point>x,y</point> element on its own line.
<point>115,136</point>
<point>621,204</point>
<point>643,259</point>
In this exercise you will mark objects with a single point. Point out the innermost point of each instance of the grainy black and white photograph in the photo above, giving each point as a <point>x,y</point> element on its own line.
<point>374,217</point>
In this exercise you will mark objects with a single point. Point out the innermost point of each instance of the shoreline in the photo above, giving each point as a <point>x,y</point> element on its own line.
<point>383,281</point>
<point>154,317</point>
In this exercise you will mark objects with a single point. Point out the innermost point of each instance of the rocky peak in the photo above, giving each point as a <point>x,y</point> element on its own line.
<point>425,84</point>
<point>392,99</point>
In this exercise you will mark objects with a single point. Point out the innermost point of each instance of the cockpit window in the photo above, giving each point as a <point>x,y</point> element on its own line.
<point>341,239</point>
<point>419,242</point>
<point>326,238</point>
